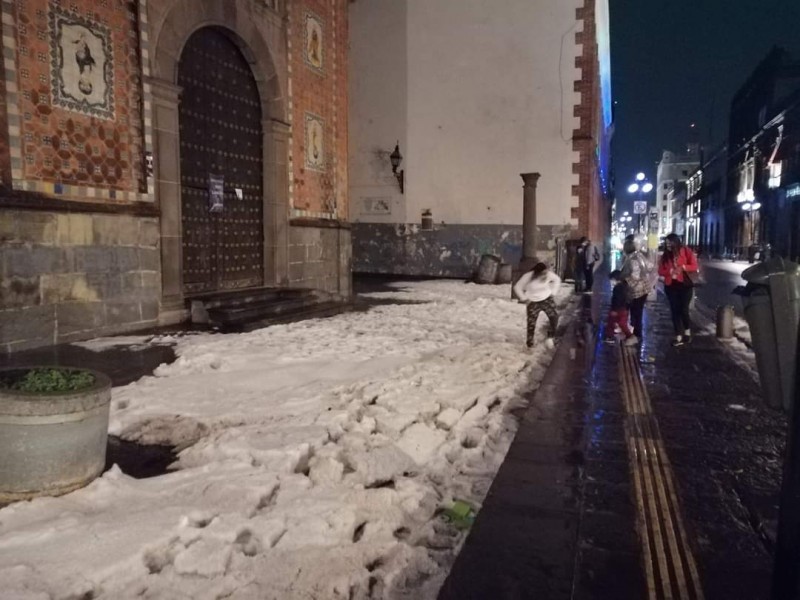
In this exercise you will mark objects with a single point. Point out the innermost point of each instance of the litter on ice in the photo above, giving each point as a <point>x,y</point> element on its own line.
<point>315,459</point>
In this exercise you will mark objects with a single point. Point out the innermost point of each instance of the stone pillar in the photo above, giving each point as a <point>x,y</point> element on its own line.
<point>166,150</point>
<point>529,237</point>
<point>276,202</point>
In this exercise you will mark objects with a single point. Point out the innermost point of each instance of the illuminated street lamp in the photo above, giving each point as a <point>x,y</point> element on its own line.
<point>641,186</point>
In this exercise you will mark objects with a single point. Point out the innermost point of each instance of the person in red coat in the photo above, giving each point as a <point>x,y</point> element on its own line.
<point>675,263</point>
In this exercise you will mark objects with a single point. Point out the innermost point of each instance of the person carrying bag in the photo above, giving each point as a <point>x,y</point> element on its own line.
<point>677,266</point>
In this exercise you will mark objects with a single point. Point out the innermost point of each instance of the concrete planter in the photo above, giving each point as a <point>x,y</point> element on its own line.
<point>52,443</point>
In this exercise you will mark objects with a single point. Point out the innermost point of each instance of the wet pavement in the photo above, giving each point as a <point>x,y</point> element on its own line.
<point>564,517</point>
<point>721,276</point>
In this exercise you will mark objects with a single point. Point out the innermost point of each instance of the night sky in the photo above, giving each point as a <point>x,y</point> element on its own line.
<point>681,61</point>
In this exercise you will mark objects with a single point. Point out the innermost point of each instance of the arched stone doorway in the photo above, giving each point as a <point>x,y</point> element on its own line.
<point>259,33</point>
<point>220,132</point>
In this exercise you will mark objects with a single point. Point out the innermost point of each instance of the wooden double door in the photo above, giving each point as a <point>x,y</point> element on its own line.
<point>221,161</point>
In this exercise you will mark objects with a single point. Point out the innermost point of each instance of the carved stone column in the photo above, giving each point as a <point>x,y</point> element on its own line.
<point>166,163</point>
<point>276,202</point>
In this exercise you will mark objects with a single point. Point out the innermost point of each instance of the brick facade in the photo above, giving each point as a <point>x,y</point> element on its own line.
<point>592,210</point>
<point>69,151</point>
<point>90,147</point>
<point>319,92</point>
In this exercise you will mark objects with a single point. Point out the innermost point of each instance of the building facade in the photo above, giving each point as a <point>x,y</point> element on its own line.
<point>673,169</point>
<point>479,95</point>
<point>704,211</point>
<point>152,152</point>
<point>764,151</point>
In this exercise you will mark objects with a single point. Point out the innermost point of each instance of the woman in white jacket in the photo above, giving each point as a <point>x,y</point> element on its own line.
<point>536,288</point>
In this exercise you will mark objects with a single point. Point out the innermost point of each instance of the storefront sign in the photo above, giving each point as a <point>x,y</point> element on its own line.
<point>793,191</point>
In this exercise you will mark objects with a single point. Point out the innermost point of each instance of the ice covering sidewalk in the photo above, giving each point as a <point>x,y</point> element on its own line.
<point>316,458</point>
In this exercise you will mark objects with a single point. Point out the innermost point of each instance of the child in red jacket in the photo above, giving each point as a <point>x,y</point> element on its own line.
<point>618,313</point>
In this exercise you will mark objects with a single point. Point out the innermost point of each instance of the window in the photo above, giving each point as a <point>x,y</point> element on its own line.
<point>665,196</point>
<point>666,186</point>
<point>685,173</point>
<point>775,170</point>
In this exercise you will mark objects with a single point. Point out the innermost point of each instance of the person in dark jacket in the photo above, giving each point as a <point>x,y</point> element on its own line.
<point>618,313</point>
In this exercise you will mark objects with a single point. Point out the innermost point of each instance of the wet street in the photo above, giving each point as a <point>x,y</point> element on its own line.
<point>721,278</point>
<point>650,473</point>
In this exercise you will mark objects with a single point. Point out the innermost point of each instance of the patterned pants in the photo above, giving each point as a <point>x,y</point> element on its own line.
<point>534,308</point>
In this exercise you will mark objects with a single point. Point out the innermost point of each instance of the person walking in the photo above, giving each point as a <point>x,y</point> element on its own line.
<point>618,313</point>
<point>637,272</point>
<point>676,263</point>
<point>587,261</point>
<point>536,289</point>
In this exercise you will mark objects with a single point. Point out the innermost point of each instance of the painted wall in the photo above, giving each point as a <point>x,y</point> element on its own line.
<point>477,99</point>
<point>475,95</point>
<point>378,108</point>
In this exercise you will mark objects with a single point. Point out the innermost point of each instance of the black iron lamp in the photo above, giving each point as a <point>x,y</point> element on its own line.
<point>396,158</point>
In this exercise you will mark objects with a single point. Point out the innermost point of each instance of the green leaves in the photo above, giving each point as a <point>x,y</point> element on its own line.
<point>47,380</point>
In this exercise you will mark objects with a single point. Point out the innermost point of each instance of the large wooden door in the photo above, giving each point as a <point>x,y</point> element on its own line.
<point>220,138</point>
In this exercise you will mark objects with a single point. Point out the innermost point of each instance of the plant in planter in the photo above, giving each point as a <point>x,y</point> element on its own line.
<point>53,430</point>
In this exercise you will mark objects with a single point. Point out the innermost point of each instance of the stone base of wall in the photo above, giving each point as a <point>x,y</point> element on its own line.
<point>320,257</point>
<point>446,250</point>
<point>74,276</point>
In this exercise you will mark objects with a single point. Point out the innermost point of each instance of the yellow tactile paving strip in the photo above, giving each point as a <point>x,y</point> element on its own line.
<point>670,568</point>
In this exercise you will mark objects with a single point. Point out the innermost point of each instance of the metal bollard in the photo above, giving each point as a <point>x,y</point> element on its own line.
<point>724,322</point>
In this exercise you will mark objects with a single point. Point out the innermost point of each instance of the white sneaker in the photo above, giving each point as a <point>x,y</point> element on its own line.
<point>631,341</point>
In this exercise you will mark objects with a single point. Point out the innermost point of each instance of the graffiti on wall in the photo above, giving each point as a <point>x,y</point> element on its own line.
<point>81,64</point>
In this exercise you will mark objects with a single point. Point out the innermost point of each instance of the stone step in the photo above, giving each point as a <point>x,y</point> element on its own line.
<point>315,311</point>
<point>233,298</point>
<point>238,314</point>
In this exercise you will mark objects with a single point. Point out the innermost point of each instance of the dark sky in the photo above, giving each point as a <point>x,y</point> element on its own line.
<point>681,61</point>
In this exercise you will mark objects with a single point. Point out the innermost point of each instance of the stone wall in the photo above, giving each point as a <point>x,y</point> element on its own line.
<point>72,276</point>
<point>320,257</point>
<point>446,250</point>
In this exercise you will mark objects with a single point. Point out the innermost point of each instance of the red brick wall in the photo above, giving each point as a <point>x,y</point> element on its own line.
<point>321,92</point>
<point>591,210</point>
<point>65,146</point>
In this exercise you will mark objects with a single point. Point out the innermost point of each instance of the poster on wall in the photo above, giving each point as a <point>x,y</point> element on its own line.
<point>81,64</point>
<point>216,193</point>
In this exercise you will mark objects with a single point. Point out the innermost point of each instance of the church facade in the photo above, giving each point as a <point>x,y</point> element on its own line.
<point>157,151</point>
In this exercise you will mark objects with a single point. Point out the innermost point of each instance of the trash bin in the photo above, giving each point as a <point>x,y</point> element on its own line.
<point>487,269</point>
<point>771,301</point>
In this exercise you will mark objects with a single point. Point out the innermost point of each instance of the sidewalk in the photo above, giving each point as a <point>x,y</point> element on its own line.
<point>632,480</point>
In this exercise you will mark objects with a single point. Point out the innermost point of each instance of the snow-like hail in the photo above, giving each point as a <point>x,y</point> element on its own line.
<point>315,458</point>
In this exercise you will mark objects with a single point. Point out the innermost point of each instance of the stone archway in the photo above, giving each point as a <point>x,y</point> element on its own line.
<point>260,36</point>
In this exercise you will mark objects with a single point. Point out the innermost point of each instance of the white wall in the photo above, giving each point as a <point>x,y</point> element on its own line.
<point>378,104</point>
<point>488,95</point>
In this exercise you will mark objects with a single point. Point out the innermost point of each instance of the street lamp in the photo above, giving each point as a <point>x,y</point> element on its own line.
<point>641,186</point>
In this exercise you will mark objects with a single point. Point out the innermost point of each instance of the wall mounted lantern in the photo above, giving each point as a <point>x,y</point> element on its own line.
<point>396,158</point>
